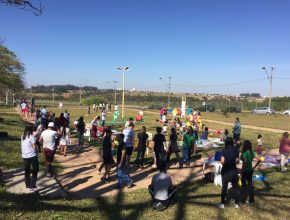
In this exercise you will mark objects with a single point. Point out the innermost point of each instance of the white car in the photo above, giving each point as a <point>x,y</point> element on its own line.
<point>264,111</point>
<point>287,112</point>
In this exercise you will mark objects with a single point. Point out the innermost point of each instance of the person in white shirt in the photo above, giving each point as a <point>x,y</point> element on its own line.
<point>29,155</point>
<point>48,137</point>
<point>65,138</point>
<point>161,188</point>
<point>103,118</point>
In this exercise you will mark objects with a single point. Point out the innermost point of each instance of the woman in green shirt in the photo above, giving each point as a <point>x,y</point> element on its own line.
<point>247,171</point>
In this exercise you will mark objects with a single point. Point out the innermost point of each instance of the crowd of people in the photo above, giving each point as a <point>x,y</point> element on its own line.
<point>117,150</point>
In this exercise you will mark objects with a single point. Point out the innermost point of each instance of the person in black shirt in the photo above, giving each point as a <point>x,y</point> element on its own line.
<point>173,148</point>
<point>158,141</point>
<point>121,162</point>
<point>142,144</point>
<point>81,130</point>
<point>107,154</point>
<point>229,172</point>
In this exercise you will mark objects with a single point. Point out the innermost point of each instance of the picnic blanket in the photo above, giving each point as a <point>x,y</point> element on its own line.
<point>209,144</point>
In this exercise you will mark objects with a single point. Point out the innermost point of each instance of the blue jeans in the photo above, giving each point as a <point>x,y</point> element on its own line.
<point>185,150</point>
<point>122,176</point>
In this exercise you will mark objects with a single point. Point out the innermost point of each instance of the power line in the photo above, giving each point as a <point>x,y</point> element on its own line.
<point>222,85</point>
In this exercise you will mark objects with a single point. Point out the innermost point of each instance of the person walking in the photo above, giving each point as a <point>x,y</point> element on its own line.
<point>237,130</point>
<point>173,148</point>
<point>121,163</point>
<point>30,158</point>
<point>229,172</point>
<point>49,137</point>
<point>142,145</point>
<point>284,150</point>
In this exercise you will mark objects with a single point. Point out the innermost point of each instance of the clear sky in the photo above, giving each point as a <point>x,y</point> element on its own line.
<point>197,42</point>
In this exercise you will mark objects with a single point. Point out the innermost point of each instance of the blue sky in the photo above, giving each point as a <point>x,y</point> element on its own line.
<point>197,42</point>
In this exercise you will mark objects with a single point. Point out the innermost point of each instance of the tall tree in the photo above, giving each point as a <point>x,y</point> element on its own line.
<point>11,71</point>
<point>25,5</point>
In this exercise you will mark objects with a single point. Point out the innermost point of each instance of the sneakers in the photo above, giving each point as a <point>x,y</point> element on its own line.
<point>33,189</point>
<point>283,169</point>
<point>130,184</point>
<point>237,206</point>
<point>221,205</point>
<point>49,175</point>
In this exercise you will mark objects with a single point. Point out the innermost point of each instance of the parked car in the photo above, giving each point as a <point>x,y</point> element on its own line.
<point>286,112</point>
<point>232,109</point>
<point>206,108</point>
<point>264,111</point>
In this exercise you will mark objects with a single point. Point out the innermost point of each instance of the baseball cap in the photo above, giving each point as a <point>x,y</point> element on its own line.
<point>51,124</point>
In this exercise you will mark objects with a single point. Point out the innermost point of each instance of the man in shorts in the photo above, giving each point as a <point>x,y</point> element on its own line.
<point>107,154</point>
<point>48,137</point>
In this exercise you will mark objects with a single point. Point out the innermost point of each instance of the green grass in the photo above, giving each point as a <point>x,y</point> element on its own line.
<point>277,121</point>
<point>194,199</point>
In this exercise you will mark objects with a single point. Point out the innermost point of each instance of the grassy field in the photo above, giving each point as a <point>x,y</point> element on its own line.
<point>278,121</point>
<point>194,200</point>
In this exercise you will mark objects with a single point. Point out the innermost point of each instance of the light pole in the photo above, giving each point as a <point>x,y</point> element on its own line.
<point>115,87</point>
<point>7,92</point>
<point>52,95</point>
<point>80,93</point>
<point>123,69</point>
<point>270,77</point>
<point>169,88</point>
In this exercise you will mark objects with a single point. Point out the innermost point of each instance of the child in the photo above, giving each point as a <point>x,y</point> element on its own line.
<point>204,134</point>
<point>259,147</point>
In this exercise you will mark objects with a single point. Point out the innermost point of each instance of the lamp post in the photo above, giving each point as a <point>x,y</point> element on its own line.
<point>52,95</point>
<point>123,69</point>
<point>115,87</point>
<point>169,87</point>
<point>7,92</point>
<point>80,93</point>
<point>270,77</point>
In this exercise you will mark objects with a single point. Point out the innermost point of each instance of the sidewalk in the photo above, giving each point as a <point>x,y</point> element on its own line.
<point>14,183</point>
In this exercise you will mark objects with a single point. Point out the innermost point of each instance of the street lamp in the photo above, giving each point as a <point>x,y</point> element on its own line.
<point>123,69</point>
<point>115,87</point>
<point>80,93</point>
<point>169,87</point>
<point>7,92</point>
<point>270,77</point>
<point>52,95</point>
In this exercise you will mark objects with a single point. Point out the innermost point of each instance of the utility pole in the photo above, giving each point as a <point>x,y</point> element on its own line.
<point>53,95</point>
<point>169,87</point>
<point>115,82</point>
<point>80,93</point>
<point>270,78</point>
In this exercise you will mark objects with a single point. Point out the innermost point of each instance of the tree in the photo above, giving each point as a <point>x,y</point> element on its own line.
<point>11,71</point>
<point>25,5</point>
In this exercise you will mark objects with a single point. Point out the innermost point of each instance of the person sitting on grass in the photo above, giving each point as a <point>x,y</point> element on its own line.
<point>161,188</point>
<point>204,135</point>
<point>121,162</point>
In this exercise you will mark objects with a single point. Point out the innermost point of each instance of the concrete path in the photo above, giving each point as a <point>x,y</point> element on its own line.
<point>14,183</point>
<point>81,179</point>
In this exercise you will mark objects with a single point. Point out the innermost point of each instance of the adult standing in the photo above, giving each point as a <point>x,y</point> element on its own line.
<point>188,144</point>
<point>81,130</point>
<point>129,141</point>
<point>142,144</point>
<point>65,138</point>
<point>158,146</point>
<point>29,155</point>
<point>173,148</point>
<point>48,137</point>
<point>284,150</point>
<point>229,172</point>
<point>107,154</point>
<point>103,118</point>
<point>237,130</point>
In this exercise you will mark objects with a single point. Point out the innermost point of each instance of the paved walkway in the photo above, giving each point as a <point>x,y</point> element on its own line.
<point>14,183</point>
<point>81,179</point>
